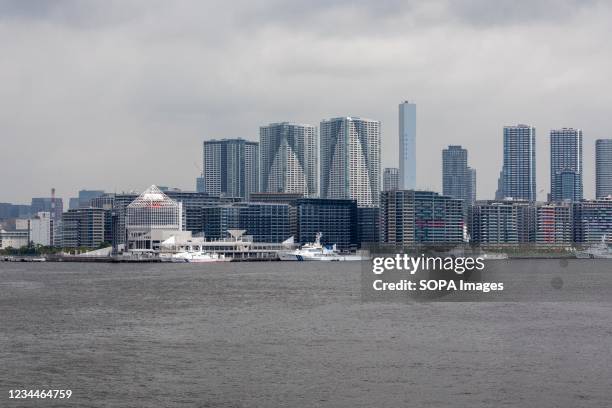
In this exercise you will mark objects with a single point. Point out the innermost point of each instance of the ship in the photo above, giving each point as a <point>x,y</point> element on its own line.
<point>315,251</point>
<point>601,250</point>
<point>198,257</point>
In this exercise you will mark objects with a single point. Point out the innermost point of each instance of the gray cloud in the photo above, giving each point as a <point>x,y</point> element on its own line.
<point>119,95</point>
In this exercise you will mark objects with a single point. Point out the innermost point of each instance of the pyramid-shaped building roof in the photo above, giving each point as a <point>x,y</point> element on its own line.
<point>152,197</point>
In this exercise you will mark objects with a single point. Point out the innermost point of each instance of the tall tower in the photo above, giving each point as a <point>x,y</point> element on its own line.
<point>407,145</point>
<point>455,173</point>
<point>231,167</point>
<point>603,168</point>
<point>519,169</point>
<point>566,164</point>
<point>289,158</point>
<point>350,160</point>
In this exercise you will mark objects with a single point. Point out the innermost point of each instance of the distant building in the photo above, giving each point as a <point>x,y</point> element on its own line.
<point>565,164</point>
<point>554,224</point>
<point>8,211</point>
<point>231,167</point>
<point>14,239</point>
<point>84,198</point>
<point>603,168</point>
<point>407,145</point>
<point>593,220</point>
<point>420,217</point>
<point>289,158</point>
<point>518,176</point>
<point>458,180</point>
<point>83,228</point>
<point>265,222</point>
<point>336,219</point>
<point>499,222</point>
<point>350,160</point>
<point>149,217</point>
<point>200,184</point>
<point>45,204</point>
<point>41,229</point>
<point>391,179</point>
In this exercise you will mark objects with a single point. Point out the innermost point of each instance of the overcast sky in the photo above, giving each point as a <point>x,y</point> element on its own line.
<point>118,95</point>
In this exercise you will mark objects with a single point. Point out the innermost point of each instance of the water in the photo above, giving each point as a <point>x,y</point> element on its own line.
<point>286,334</point>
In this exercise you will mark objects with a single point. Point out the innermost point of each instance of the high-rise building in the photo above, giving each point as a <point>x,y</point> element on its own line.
<point>83,228</point>
<point>407,145</point>
<point>493,222</point>
<point>391,179</point>
<point>289,162</point>
<point>420,217</point>
<point>458,180</point>
<point>200,184</point>
<point>603,168</point>
<point>350,160</point>
<point>565,164</point>
<point>231,167</point>
<point>519,168</point>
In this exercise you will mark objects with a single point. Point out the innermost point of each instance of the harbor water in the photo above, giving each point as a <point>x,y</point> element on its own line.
<point>286,334</point>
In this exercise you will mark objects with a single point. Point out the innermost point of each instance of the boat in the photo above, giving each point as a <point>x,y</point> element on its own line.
<point>198,257</point>
<point>599,251</point>
<point>315,251</point>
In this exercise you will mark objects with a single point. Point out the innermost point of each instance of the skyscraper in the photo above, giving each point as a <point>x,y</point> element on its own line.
<point>288,158</point>
<point>519,168</point>
<point>231,167</point>
<point>407,145</point>
<point>350,160</point>
<point>565,164</point>
<point>458,180</point>
<point>391,179</point>
<point>603,168</point>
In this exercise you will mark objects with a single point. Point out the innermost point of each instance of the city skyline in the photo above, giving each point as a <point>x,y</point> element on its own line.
<point>122,83</point>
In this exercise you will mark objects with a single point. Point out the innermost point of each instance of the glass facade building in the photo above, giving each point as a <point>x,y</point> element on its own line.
<point>518,176</point>
<point>603,168</point>
<point>407,145</point>
<point>565,164</point>
<point>335,219</point>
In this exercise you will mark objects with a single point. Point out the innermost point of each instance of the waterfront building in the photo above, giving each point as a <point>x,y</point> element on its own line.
<point>603,168</point>
<point>391,179</point>
<point>407,145</point>
<point>518,176</point>
<point>458,180</point>
<point>368,225</point>
<point>41,229</point>
<point>565,164</point>
<point>499,222</point>
<point>149,218</point>
<point>231,167</point>
<point>420,217</point>
<point>264,222</point>
<point>82,228</point>
<point>350,160</point>
<point>289,162</point>
<point>554,224</point>
<point>593,220</point>
<point>14,239</point>
<point>336,219</point>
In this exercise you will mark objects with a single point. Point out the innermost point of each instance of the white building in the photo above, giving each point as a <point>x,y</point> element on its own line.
<point>350,160</point>
<point>41,229</point>
<point>151,219</point>
<point>288,158</point>
<point>14,239</point>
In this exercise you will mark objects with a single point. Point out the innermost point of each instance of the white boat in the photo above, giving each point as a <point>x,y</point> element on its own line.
<point>316,252</point>
<point>198,257</point>
<point>601,250</point>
